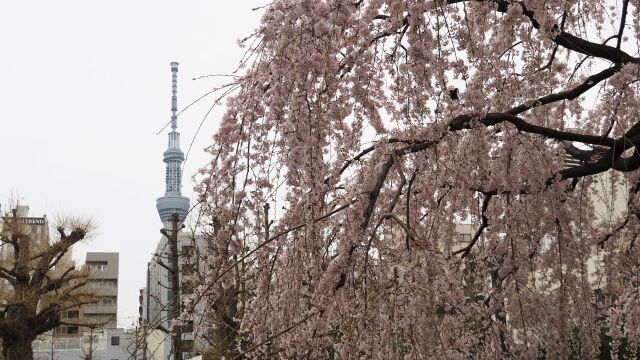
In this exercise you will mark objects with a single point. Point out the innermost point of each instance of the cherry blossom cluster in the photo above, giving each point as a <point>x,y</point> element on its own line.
<point>366,133</point>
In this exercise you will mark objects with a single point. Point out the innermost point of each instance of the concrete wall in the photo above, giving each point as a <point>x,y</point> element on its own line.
<point>75,347</point>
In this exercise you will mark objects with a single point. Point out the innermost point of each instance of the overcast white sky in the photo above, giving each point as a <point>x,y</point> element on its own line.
<point>85,87</point>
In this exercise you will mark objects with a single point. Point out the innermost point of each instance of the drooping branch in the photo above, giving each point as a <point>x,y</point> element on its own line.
<point>371,148</point>
<point>484,223</point>
<point>623,18</point>
<point>569,94</point>
<point>632,210</point>
<point>410,233</point>
<point>565,39</point>
<point>276,335</point>
<point>465,121</point>
<point>375,191</point>
<point>198,298</point>
<point>390,208</point>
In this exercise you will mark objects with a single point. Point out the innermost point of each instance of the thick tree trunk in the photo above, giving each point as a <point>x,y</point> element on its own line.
<point>17,348</point>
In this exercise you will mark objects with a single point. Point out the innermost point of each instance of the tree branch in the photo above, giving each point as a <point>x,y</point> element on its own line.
<point>484,222</point>
<point>198,298</point>
<point>623,17</point>
<point>464,122</point>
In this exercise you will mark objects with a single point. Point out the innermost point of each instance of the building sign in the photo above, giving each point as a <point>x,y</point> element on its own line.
<point>31,221</point>
<point>28,220</point>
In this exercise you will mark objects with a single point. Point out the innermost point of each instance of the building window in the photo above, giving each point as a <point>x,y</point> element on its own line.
<point>72,330</point>
<point>187,251</point>
<point>115,340</point>
<point>97,266</point>
<point>188,269</point>
<point>187,287</point>
<point>466,238</point>
<point>108,301</point>
<point>73,314</point>
<point>187,345</point>
<point>104,283</point>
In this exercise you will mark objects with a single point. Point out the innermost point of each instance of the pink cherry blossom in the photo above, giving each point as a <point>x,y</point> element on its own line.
<point>376,130</point>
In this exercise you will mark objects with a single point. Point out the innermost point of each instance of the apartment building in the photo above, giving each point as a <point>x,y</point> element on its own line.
<point>103,268</point>
<point>90,326</point>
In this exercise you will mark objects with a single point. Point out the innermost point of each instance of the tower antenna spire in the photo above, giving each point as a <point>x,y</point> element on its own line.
<point>174,96</point>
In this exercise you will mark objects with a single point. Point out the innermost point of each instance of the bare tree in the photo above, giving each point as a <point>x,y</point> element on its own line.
<point>39,281</point>
<point>137,347</point>
<point>92,338</point>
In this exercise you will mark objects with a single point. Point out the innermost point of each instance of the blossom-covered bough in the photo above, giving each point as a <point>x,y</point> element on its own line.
<point>371,128</point>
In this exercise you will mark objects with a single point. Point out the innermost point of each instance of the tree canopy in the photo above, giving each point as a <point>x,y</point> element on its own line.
<point>373,128</point>
<point>38,280</point>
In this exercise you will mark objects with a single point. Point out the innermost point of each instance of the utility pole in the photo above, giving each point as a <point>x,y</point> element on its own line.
<point>172,237</point>
<point>144,341</point>
<point>53,343</point>
<point>138,347</point>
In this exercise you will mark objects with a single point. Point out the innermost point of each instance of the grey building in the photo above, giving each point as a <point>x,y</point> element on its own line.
<point>96,330</point>
<point>104,281</point>
<point>102,314</point>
